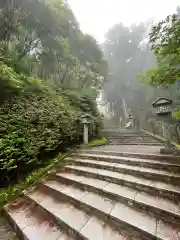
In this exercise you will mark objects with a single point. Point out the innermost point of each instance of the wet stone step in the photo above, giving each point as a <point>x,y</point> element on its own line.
<point>141,221</point>
<point>135,143</point>
<point>133,139</point>
<point>101,155</point>
<point>6,233</point>
<point>152,186</point>
<point>121,165</point>
<point>118,159</point>
<point>117,152</point>
<point>154,164</point>
<point>102,195</point>
<point>134,170</point>
<point>87,225</point>
<point>117,191</point>
<point>31,222</point>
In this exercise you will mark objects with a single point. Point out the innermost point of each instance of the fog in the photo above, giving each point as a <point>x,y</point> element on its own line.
<point>122,28</point>
<point>96,17</point>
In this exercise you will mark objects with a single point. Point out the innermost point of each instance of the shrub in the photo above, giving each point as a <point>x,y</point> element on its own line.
<point>36,123</point>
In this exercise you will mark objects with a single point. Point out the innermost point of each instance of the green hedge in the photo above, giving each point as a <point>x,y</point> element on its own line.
<point>36,122</point>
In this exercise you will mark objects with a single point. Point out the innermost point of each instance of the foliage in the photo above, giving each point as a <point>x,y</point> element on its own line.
<point>36,123</point>
<point>50,75</point>
<point>165,43</point>
<point>128,54</point>
<point>164,39</point>
<point>13,191</point>
<point>43,39</point>
<point>176,115</point>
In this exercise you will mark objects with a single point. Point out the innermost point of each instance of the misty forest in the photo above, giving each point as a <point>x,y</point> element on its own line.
<point>89,124</point>
<point>53,75</point>
<point>143,65</point>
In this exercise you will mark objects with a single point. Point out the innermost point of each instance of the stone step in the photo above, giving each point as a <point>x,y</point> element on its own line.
<point>6,233</point>
<point>156,188</point>
<point>159,206</point>
<point>148,173</point>
<point>156,164</point>
<point>125,134</point>
<point>164,158</point>
<point>135,143</point>
<point>130,137</point>
<point>140,224</point>
<point>133,138</point>
<point>31,222</point>
<point>124,131</point>
<point>81,219</point>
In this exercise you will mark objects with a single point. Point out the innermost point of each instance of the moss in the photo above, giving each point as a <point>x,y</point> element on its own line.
<point>98,142</point>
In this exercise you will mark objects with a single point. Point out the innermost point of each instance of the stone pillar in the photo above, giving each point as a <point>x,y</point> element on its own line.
<point>163,128</point>
<point>166,135</point>
<point>86,139</point>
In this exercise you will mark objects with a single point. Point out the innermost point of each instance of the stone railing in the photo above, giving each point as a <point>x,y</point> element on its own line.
<point>165,130</point>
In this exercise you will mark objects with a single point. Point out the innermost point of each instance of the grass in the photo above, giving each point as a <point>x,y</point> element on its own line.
<point>10,193</point>
<point>98,142</point>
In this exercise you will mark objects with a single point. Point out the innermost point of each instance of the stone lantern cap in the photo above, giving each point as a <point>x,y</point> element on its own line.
<point>162,106</point>
<point>85,118</point>
<point>162,102</point>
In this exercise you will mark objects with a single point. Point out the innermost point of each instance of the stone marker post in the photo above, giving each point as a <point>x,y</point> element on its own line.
<point>85,135</point>
<point>85,123</point>
<point>164,110</point>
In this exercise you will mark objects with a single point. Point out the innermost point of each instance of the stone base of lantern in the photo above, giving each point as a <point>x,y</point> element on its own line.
<point>166,151</point>
<point>170,150</point>
<point>85,146</point>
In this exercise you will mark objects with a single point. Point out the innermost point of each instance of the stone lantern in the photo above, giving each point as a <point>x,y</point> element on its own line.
<point>163,106</point>
<point>85,121</point>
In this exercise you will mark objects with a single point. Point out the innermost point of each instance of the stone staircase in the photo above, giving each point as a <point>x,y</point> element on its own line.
<point>131,137</point>
<point>103,195</point>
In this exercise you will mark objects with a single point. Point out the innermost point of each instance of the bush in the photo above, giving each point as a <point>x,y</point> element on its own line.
<point>36,123</point>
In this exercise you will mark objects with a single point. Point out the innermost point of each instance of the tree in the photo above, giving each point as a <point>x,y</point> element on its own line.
<point>165,42</point>
<point>43,39</point>
<point>127,54</point>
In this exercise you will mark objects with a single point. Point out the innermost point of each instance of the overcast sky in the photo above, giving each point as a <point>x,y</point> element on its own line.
<point>97,16</point>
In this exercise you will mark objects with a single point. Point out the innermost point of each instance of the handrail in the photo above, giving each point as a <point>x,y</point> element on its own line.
<point>163,139</point>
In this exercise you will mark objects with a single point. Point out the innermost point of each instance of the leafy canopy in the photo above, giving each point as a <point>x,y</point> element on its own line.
<point>165,42</point>
<point>43,39</point>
